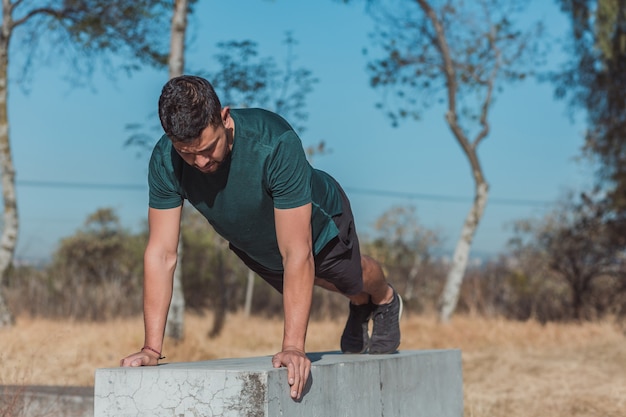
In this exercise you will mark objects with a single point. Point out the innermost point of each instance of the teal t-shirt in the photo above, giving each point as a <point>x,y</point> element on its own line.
<point>266,168</point>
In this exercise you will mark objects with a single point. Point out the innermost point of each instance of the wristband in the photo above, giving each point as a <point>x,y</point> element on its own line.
<point>153,350</point>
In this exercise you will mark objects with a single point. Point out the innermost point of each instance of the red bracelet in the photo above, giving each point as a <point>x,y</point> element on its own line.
<point>153,350</point>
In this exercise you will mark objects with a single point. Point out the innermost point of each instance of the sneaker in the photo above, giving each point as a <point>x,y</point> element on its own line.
<point>386,330</point>
<point>355,338</point>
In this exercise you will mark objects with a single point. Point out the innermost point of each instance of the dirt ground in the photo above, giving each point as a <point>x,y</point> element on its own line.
<point>510,369</point>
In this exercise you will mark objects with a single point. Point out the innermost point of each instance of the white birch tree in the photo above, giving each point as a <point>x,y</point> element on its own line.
<point>460,52</point>
<point>175,326</point>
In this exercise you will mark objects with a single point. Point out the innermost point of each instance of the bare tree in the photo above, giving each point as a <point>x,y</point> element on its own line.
<point>90,29</point>
<point>460,51</point>
<point>577,242</point>
<point>175,326</point>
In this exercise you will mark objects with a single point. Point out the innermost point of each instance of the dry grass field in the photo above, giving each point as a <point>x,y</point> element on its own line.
<point>510,369</point>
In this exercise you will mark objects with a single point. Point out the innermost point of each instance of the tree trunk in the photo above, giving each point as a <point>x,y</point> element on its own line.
<point>176,317</point>
<point>452,289</point>
<point>175,326</point>
<point>176,61</point>
<point>10,229</point>
<point>412,278</point>
<point>249,293</point>
<point>221,301</point>
<point>450,296</point>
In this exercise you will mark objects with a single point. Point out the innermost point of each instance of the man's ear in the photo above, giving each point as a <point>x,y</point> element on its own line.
<point>226,119</point>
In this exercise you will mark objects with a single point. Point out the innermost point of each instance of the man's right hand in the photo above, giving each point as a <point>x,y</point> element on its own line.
<point>141,358</point>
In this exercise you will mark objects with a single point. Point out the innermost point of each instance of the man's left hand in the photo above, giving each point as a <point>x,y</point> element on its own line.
<point>298,369</point>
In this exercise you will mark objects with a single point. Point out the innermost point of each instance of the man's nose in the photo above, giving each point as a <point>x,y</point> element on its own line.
<point>202,160</point>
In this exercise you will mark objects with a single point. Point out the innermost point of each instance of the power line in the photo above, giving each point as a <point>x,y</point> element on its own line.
<point>445,198</point>
<point>354,190</point>
<point>81,185</point>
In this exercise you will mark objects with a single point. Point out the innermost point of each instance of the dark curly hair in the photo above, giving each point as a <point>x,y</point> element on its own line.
<point>188,104</point>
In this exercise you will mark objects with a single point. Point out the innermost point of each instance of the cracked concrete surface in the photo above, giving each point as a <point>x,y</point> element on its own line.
<point>409,383</point>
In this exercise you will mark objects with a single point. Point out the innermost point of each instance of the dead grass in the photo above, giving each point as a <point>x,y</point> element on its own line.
<point>510,369</point>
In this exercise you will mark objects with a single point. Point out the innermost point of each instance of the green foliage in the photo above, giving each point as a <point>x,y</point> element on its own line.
<point>400,241</point>
<point>517,286</point>
<point>214,278</point>
<point>594,80</point>
<point>246,79</point>
<point>575,247</point>
<point>405,249</point>
<point>117,25</point>
<point>85,34</point>
<point>98,251</point>
<point>101,263</point>
<point>611,40</point>
<point>484,44</point>
<point>95,274</point>
<point>212,275</point>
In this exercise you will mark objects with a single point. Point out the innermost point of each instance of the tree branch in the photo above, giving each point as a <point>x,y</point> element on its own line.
<point>488,97</point>
<point>452,87</point>
<point>444,49</point>
<point>43,10</point>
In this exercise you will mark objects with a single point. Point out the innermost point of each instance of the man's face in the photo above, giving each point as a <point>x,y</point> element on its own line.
<point>210,150</point>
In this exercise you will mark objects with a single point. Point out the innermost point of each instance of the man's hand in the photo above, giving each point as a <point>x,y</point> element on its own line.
<point>298,369</point>
<point>142,358</point>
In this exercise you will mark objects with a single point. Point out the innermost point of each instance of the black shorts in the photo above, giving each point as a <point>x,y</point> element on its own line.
<point>339,262</point>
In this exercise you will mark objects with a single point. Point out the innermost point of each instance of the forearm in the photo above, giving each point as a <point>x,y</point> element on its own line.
<point>158,279</point>
<point>297,297</point>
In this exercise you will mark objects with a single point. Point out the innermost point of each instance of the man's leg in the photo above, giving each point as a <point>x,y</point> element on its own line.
<point>375,286</point>
<point>380,302</point>
<point>377,301</point>
<point>386,308</point>
<point>355,337</point>
<point>363,281</point>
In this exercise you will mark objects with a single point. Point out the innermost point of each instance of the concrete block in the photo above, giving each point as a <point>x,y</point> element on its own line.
<point>425,383</point>
<point>38,401</point>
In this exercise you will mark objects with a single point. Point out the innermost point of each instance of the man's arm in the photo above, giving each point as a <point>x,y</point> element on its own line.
<point>159,264</point>
<point>293,231</point>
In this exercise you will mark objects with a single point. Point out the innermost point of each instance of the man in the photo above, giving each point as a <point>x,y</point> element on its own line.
<point>245,170</point>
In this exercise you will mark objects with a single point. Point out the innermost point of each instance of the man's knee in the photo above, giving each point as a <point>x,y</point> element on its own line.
<point>370,266</point>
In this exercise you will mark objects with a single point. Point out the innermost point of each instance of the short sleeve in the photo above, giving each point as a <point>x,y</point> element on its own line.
<point>164,192</point>
<point>289,173</point>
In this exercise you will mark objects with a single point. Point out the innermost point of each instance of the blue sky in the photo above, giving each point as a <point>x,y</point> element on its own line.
<point>62,135</point>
